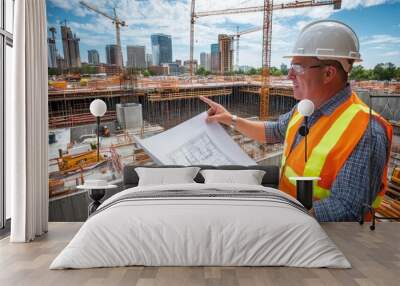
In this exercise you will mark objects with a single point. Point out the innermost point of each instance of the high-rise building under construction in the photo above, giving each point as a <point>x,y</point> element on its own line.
<point>70,42</point>
<point>225,53</point>
<point>52,49</point>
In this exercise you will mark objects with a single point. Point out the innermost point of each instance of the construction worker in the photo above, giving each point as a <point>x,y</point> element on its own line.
<point>338,139</point>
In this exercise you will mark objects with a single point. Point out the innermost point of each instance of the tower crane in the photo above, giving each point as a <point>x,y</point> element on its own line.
<point>237,36</point>
<point>118,24</point>
<point>267,10</point>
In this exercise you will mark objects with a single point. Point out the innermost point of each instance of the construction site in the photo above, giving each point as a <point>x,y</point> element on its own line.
<point>143,106</point>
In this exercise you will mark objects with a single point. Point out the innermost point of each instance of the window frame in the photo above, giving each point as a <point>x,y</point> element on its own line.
<point>6,39</point>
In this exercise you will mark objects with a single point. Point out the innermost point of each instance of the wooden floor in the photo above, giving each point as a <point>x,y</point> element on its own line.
<point>375,257</point>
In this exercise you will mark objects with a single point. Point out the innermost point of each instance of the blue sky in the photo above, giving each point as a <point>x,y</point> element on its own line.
<point>377,23</point>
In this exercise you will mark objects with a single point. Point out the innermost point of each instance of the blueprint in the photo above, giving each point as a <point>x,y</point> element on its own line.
<point>194,142</point>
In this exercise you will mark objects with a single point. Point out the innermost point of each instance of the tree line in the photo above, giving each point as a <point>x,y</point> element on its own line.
<point>381,71</point>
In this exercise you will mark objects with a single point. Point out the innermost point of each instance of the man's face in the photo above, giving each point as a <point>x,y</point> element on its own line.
<point>308,83</point>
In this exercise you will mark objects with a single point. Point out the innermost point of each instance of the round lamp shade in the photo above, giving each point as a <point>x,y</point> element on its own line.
<point>305,107</point>
<point>98,107</point>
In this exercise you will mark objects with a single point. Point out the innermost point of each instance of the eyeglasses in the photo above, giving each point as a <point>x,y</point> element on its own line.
<point>299,69</point>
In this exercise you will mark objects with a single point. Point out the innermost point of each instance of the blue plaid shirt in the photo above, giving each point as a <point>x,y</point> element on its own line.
<point>350,188</point>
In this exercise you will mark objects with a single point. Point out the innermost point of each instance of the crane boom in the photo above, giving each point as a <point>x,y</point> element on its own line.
<point>117,22</point>
<point>90,7</point>
<point>296,4</point>
<point>248,31</point>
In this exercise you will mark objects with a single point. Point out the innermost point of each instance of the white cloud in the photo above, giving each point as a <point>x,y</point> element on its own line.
<point>172,17</point>
<point>391,54</point>
<point>380,39</point>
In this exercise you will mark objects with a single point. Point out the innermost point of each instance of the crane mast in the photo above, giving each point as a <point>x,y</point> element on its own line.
<point>192,21</point>
<point>266,59</point>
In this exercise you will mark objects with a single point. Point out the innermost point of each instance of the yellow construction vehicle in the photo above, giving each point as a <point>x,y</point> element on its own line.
<point>71,163</point>
<point>396,175</point>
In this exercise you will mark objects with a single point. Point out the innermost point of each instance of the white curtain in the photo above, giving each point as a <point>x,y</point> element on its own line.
<point>26,124</point>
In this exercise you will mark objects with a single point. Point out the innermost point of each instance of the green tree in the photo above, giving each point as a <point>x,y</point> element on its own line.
<point>369,74</point>
<point>53,71</point>
<point>385,71</point>
<point>357,73</point>
<point>360,73</point>
<point>252,71</point>
<point>240,71</point>
<point>202,71</point>
<point>397,75</point>
<point>88,70</point>
<point>146,73</point>
<point>274,71</point>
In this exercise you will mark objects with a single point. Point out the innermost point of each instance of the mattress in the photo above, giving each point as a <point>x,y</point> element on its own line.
<point>200,225</point>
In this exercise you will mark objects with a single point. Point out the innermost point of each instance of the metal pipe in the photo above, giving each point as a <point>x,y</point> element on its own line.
<point>98,138</point>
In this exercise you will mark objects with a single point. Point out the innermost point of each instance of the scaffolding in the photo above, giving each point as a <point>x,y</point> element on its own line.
<point>167,101</point>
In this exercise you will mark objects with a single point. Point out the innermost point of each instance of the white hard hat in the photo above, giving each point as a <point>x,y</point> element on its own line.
<point>328,40</point>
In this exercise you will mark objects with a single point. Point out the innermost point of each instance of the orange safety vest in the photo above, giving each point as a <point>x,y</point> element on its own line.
<point>330,141</point>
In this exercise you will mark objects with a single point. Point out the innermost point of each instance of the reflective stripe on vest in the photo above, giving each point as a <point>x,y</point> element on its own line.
<point>297,116</point>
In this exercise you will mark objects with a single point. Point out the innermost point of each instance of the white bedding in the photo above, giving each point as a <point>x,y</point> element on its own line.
<point>200,231</point>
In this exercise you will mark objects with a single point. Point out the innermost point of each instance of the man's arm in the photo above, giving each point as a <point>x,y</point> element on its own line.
<point>265,132</point>
<point>275,131</point>
<point>351,185</point>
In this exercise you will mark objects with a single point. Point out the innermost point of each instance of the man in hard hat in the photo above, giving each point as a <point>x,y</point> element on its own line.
<point>338,139</point>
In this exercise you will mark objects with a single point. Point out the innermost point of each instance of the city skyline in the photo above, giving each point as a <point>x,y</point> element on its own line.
<point>379,40</point>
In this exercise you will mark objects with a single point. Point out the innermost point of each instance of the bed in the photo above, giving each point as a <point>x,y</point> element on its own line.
<point>201,224</point>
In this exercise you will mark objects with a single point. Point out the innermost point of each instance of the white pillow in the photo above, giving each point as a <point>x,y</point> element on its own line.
<point>248,177</point>
<point>166,176</point>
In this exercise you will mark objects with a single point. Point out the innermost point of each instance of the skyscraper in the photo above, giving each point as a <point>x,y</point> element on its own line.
<point>203,60</point>
<point>112,54</point>
<point>208,62</point>
<point>136,57</point>
<point>161,46</point>
<point>214,58</point>
<point>225,53</point>
<point>149,60</point>
<point>70,43</point>
<point>52,49</point>
<point>93,57</point>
